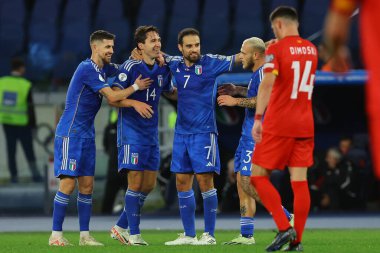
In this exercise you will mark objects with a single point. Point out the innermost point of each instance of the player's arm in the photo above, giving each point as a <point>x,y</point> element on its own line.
<point>265,89</point>
<point>172,95</point>
<point>232,90</point>
<point>336,31</point>
<point>118,95</point>
<point>226,100</point>
<point>263,96</point>
<point>143,109</point>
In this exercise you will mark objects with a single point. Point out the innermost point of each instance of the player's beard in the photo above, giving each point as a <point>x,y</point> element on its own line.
<point>193,58</point>
<point>106,59</point>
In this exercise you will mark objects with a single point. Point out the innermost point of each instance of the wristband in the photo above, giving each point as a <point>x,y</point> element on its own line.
<point>135,87</point>
<point>258,116</point>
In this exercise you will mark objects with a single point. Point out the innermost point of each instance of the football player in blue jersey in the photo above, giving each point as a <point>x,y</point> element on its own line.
<point>252,56</point>
<point>74,145</point>
<point>138,137</point>
<point>195,148</point>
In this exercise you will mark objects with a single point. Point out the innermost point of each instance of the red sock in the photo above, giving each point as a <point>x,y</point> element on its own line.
<point>301,206</point>
<point>271,200</point>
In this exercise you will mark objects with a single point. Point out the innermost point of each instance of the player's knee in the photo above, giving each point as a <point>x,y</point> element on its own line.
<point>135,186</point>
<point>149,187</point>
<point>67,185</point>
<point>183,186</point>
<point>86,189</point>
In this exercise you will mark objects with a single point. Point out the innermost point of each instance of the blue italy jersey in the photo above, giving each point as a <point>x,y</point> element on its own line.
<point>253,88</point>
<point>197,91</point>
<point>83,99</point>
<point>132,128</point>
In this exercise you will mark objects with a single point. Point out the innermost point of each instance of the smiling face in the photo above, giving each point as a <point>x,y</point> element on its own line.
<point>190,48</point>
<point>103,50</point>
<point>152,45</point>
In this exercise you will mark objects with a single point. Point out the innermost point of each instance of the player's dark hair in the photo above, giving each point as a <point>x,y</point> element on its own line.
<point>284,12</point>
<point>101,35</point>
<point>17,63</point>
<point>185,32</point>
<point>141,32</point>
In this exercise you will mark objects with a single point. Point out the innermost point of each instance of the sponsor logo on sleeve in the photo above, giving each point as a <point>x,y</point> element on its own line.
<point>122,77</point>
<point>101,78</point>
<point>269,58</point>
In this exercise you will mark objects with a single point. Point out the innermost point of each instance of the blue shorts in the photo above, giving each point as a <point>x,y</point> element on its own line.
<point>195,153</point>
<point>139,157</point>
<point>243,156</point>
<point>74,156</point>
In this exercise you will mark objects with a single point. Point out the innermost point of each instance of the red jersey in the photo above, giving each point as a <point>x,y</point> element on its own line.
<point>289,113</point>
<point>370,37</point>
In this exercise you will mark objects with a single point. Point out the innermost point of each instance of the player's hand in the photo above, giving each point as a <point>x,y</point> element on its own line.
<point>257,131</point>
<point>160,60</point>
<point>143,109</point>
<point>339,62</point>
<point>227,89</point>
<point>143,83</point>
<point>270,42</point>
<point>226,100</point>
<point>136,54</point>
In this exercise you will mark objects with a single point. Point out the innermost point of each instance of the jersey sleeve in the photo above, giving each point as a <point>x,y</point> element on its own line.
<point>94,79</point>
<point>256,83</point>
<point>123,78</point>
<point>220,63</point>
<point>271,60</point>
<point>111,69</point>
<point>168,85</point>
<point>172,61</point>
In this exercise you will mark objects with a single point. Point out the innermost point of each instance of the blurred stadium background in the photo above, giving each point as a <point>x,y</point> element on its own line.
<point>52,37</point>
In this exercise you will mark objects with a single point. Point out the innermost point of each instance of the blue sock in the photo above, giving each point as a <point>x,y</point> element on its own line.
<point>132,208</point>
<point>186,202</point>
<point>247,226</point>
<point>287,214</point>
<point>142,199</point>
<point>84,204</point>
<point>61,201</point>
<point>123,220</point>
<point>210,205</point>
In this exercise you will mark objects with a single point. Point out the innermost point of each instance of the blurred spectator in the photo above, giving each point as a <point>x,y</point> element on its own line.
<point>114,181</point>
<point>345,145</point>
<point>18,118</point>
<point>338,189</point>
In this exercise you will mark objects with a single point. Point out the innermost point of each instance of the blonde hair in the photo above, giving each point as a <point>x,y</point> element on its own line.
<point>256,44</point>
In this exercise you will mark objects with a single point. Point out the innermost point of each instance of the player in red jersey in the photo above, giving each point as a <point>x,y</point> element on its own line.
<point>286,136</point>
<point>336,33</point>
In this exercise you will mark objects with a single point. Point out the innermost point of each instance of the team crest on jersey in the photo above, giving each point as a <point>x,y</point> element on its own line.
<point>160,80</point>
<point>101,78</point>
<point>73,164</point>
<point>269,58</point>
<point>198,69</point>
<point>135,158</point>
<point>122,77</point>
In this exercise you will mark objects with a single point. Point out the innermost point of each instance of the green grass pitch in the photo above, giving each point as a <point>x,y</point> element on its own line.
<point>315,240</point>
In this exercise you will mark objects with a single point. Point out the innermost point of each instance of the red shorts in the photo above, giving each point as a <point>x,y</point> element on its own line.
<point>276,152</point>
